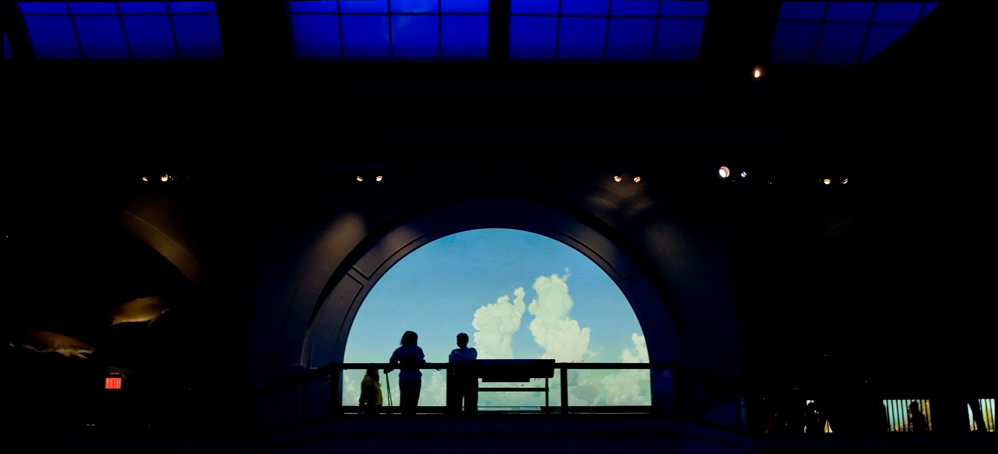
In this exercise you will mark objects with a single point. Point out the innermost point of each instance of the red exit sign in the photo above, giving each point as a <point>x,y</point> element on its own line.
<point>112,382</point>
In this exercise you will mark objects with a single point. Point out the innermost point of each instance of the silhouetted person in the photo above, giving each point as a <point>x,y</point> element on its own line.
<point>916,420</point>
<point>410,380</point>
<point>462,381</point>
<point>370,393</point>
<point>814,421</point>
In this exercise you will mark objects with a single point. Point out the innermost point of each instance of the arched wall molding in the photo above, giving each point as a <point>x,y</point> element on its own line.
<point>326,337</point>
<point>163,244</point>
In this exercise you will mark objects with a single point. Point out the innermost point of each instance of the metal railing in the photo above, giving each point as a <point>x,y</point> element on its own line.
<point>674,391</point>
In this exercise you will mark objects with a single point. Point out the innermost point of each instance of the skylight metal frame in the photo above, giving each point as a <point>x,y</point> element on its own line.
<point>610,16</point>
<point>170,14</point>
<point>389,14</point>
<point>869,23</point>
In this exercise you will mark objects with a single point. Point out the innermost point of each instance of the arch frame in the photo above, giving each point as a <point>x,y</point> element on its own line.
<point>334,313</point>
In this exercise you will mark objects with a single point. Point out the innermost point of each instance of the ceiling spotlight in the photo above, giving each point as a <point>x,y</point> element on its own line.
<point>379,178</point>
<point>827,181</point>
<point>617,178</point>
<point>164,178</point>
<point>360,178</point>
<point>145,178</point>
<point>637,179</point>
<point>757,72</point>
<point>845,181</point>
<point>744,174</point>
<point>724,172</point>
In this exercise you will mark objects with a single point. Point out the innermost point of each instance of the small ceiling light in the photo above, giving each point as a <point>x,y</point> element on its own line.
<point>360,178</point>
<point>637,179</point>
<point>845,181</point>
<point>379,178</point>
<point>617,178</point>
<point>744,174</point>
<point>164,178</point>
<point>724,172</point>
<point>145,178</point>
<point>757,72</point>
<point>827,181</point>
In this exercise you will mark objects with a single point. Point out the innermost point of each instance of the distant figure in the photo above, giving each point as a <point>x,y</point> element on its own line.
<point>462,382</point>
<point>410,380</point>
<point>370,393</point>
<point>916,420</point>
<point>814,422</point>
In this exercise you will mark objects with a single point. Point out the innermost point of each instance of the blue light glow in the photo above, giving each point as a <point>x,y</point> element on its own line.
<point>411,29</point>
<point>841,33</point>
<point>98,30</point>
<point>580,29</point>
<point>7,54</point>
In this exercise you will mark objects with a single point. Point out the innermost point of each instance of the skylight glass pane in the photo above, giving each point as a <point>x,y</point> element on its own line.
<point>101,36</point>
<point>314,7</point>
<point>684,9</point>
<point>633,8</point>
<point>582,37</point>
<point>802,10</point>
<point>840,44</point>
<point>316,35</point>
<point>535,37</point>
<point>533,6</point>
<point>192,7</point>
<point>52,36</point>
<point>464,6</point>
<point>900,13</point>
<point>142,7</point>
<point>198,36</point>
<point>150,36</point>
<point>849,11</point>
<point>366,6</point>
<point>43,7</point>
<point>679,39</point>
<point>631,38</point>
<point>465,36</point>
<point>881,36</point>
<point>414,6</point>
<point>589,7</point>
<point>93,8</point>
<point>794,42</point>
<point>415,36</point>
<point>7,53</point>
<point>365,36</point>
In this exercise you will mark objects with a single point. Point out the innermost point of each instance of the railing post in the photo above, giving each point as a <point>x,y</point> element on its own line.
<point>335,392</point>
<point>564,390</point>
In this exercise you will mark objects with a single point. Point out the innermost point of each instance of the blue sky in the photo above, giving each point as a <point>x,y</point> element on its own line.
<point>565,302</point>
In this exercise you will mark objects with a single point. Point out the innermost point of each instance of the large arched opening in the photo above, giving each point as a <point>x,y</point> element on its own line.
<point>338,307</point>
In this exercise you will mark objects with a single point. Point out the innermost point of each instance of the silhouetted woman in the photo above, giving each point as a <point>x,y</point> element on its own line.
<point>410,380</point>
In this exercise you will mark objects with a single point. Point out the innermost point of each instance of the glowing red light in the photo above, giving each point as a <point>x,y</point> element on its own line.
<point>112,382</point>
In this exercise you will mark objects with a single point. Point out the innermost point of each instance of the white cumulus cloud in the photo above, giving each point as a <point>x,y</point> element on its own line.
<point>559,335</point>
<point>495,325</point>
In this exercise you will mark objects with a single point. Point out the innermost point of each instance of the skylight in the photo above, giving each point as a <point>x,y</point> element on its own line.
<point>606,29</point>
<point>117,30</point>
<point>841,33</point>
<point>390,28</point>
